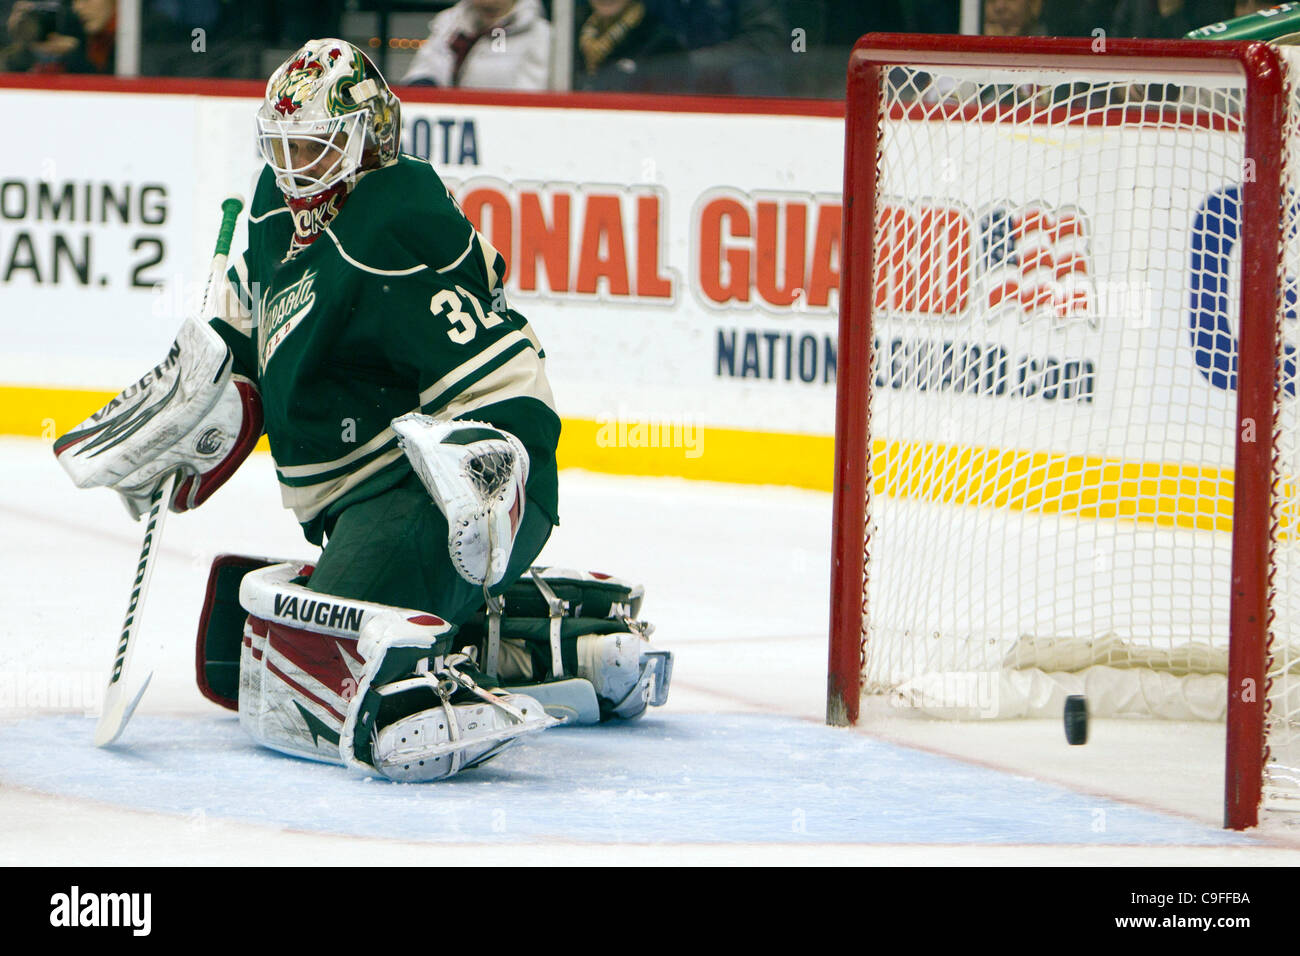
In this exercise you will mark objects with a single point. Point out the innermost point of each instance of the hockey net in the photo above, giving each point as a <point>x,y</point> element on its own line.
<point>1065,464</point>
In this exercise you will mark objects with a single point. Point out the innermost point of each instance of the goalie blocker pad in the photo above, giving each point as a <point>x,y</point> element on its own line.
<point>189,415</point>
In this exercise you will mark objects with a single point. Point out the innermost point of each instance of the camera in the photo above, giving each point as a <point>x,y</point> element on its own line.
<point>36,23</point>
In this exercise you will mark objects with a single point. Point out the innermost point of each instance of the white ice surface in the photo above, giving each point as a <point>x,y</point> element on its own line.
<point>737,768</point>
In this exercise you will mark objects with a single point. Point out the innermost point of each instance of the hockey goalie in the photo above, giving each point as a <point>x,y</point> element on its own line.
<point>365,329</point>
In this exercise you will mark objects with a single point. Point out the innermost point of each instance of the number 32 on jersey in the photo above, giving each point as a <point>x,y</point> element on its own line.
<point>447,303</point>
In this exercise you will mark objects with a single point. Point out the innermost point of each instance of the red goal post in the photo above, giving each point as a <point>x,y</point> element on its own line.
<point>1050,85</point>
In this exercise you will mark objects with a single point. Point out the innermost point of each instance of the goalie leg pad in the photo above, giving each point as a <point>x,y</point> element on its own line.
<point>627,673</point>
<point>294,687</point>
<point>300,663</point>
<point>612,662</point>
<point>617,677</point>
<point>419,715</point>
<point>438,738</point>
<point>366,685</point>
<point>309,658</point>
<point>579,629</point>
<point>222,624</point>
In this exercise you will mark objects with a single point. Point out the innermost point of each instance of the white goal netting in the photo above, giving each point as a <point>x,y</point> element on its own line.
<point>1055,317</point>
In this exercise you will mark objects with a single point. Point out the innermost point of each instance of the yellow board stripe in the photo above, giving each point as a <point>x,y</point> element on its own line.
<point>710,454</point>
<point>49,412</point>
<point>698,452</point>
<point>1083,486</point>
<point>46,412</point>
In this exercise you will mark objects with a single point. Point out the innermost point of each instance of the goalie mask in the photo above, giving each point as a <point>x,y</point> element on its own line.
<point>327,115</point>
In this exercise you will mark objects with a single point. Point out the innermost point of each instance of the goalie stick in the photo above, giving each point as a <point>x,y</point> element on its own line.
<point>119,702</point>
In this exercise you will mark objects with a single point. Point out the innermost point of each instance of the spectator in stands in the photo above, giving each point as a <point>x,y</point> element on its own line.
<point>1244,8</point>
<point>1013,18</point>
<point>1077,18</point>
<point>97,53</point>
<point>737,47</point>
<point>222,38</point>
<point>486,44</point>
<point>44,40</point>
<point>1002,18</point>
<point>38,36</point>
<point>1168,18</point>
<point>624,48</point>
<point>919,16</point>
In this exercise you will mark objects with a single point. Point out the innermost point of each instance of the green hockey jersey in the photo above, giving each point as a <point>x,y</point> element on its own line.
<point>397,307</point>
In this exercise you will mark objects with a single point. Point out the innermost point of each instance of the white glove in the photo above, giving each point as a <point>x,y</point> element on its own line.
<point>475,473</point>
<point>188,414</point>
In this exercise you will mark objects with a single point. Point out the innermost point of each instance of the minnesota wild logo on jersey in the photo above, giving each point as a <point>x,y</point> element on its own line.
<point>281,313</point>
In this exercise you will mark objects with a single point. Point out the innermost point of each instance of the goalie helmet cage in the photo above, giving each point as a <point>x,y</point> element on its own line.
<point>1065,417</point>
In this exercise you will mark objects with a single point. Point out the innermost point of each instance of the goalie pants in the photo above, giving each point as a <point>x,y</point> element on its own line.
<point>392,549</point>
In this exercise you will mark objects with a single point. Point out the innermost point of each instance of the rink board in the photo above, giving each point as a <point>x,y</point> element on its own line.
<point>678,258</point>
<point>651,262</point>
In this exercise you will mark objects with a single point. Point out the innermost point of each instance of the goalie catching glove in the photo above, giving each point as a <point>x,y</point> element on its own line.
<point>475,474</point>
<point>190,414</point>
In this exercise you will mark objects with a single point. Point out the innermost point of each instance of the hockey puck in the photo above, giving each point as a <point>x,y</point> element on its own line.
<point>1076,720</point>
